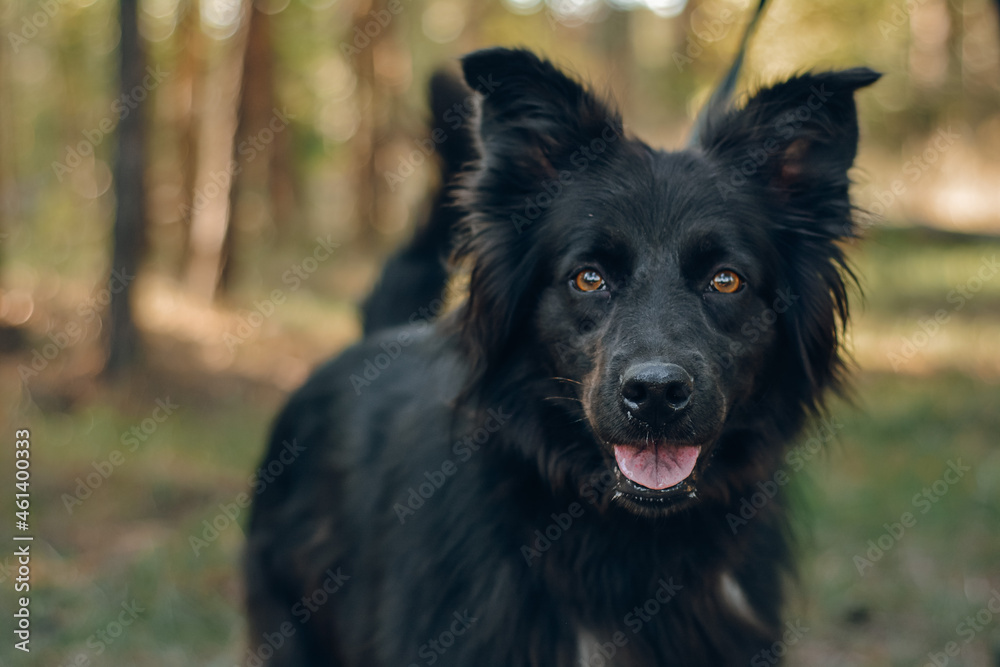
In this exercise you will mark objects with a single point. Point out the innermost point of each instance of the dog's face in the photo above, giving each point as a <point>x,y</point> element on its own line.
<point>663,291</point>
<point>650,280</point>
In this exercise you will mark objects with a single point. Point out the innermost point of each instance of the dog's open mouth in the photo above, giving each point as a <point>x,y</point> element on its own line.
<point>656,470</point>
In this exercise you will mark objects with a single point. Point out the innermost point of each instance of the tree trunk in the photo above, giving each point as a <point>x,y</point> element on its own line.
<point>216,134</point>
<point>186,115</point>
<point>128,236</point>
<point>6,149</point>
<point>364,145</point>
<point>255,111</point>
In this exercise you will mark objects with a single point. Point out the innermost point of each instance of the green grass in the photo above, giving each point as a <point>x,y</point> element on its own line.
<point>129,539</point>
<point>910,600</point>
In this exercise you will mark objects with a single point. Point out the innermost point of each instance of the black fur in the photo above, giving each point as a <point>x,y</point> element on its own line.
<point>508,409</point>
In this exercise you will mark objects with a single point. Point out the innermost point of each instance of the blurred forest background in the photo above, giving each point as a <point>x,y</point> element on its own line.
<point>194,194</point>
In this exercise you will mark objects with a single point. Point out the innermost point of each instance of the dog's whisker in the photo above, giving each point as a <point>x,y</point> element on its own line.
<point>568,380</point>
<point>562,398</point>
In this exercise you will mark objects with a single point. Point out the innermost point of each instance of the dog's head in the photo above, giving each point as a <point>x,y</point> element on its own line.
<point>675,300</point>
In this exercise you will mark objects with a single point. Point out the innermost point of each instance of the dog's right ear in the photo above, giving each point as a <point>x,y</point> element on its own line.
<point>532,117</point>
<point>537,129</point>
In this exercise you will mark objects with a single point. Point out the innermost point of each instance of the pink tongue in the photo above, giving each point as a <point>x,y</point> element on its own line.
<point>656,466</point>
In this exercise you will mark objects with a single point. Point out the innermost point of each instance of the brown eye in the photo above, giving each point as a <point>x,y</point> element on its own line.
<point>726,281</point>
<point>589,280</point>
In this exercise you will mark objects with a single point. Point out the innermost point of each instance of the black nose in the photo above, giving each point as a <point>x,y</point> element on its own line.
<point>655,392</point>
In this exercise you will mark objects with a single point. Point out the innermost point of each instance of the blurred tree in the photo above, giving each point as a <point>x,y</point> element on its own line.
<point>374,105</point>
<point>997,7</point>
<point>954,11</point>
<point>9,194</point>
<point>190,70</point>
<point>255,110</point>
<point>129,231</point>
<point>6,184</point>
<point>217,120</point>
<point>617,51</point>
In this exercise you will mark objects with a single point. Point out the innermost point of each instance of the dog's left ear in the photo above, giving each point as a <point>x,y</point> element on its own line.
<point>791,146</point>
<point>797,140</point>
<point>537,130</point>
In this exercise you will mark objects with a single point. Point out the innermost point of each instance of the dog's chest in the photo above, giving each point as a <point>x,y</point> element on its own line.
<point>617,649</point>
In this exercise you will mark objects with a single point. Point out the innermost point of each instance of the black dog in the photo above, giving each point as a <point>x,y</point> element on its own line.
<point>552,474</point>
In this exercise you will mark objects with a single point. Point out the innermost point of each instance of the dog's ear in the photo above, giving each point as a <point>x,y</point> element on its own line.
<point>796,139</point>
<point>532,116</point>
<point>537,130</point>
<point>791,147</point>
